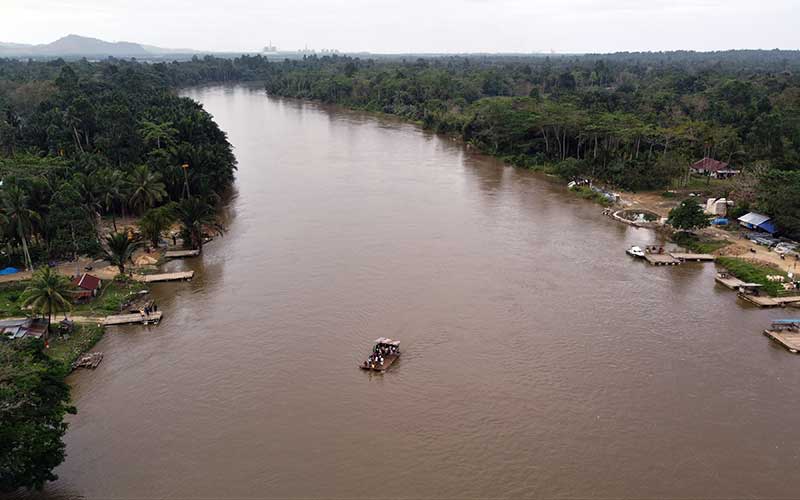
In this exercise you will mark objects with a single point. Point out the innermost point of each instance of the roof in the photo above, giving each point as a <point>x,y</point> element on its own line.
<point>754,219</point>
<point>387,341</point>
<point>87,282</point>
<point>710,165</point>
<point>20,328</point>
<point>786,321</point>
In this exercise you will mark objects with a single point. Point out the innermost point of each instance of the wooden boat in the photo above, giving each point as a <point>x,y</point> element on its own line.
<point>385,352</point>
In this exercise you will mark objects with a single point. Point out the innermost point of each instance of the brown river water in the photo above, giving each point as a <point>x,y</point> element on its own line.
<point>538,359</point>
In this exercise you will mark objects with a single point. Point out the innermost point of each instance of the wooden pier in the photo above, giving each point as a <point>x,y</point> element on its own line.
<point>181,254</point>
<point>126,319</point>
<point>787,338</point>
<point>696,257</point>
<point>766,301</point>
<point>729,281</point>
<point>154,278</point>
<point>661,259</point>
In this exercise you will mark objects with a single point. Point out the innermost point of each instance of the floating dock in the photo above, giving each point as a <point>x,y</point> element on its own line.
<point>181,254</point>
<point>154,278</point>
<point>661,259</point>
<point>91,360</point>
<point>696,257</point>
<point>787,338</point>
<point>127,319</point>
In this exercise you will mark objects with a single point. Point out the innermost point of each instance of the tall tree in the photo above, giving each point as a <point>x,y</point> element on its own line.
<point>33,401</point>
<point>20,217</point>
<point>197,218</point>
<point>146,188</point>
<point>47,293</point>
<point>119,249</point>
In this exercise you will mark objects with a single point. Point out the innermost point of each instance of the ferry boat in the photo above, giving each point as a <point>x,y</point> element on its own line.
<point>384,353</point>
<point>635,251</point>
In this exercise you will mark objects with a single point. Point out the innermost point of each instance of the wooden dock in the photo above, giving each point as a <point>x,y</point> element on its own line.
<point>127,319</point>
<point>181,254</point>
<point>154,278</point>
<point>787,338</point>
<point>730,282</point>
<point>696,257</point>
<point>661,259</point>
<point>766,301</point>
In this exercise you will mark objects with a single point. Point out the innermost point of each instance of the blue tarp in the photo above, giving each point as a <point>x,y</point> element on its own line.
<point>720,221</point>
<point>768,226</point>
<point>9,270</point>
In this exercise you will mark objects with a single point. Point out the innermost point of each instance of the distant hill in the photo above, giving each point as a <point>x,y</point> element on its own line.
<point>75,45</point>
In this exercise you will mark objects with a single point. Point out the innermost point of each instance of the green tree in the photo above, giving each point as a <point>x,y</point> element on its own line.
<point>119,249</point>
<point>146,188</point>
<point>111,191</point>
<point>155,222</point>
<point>33,401</point>
<point>47,293</point>
<point>197,218</point>
<point>19,217</point>
<point>158,133</point>
<point>688,215</point>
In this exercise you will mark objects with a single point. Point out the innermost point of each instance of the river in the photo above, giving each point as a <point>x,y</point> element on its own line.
<point>538,359</point>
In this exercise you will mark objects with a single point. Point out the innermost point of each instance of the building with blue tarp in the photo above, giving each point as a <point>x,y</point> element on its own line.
<point>758,222</point>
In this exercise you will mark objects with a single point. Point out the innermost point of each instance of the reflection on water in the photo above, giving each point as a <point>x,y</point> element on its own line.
<point>539,360</point>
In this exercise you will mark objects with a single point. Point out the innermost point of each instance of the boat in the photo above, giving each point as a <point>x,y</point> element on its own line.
<point>635,252</point>
<point>385,352</point>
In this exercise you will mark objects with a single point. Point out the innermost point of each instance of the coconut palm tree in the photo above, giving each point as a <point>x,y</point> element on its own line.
<point>47,293</point>
<point>146,188</point>
<point>197,217</point>
<point>156,221</point>
<point>119,249</point>
<point>20,217</point>
<point>111,191</point>
<point>160,133</point>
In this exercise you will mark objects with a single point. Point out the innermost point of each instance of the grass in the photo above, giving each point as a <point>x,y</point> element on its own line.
<point>586,193</point>
<point>67,350</point>
<point>698,245</point>
<point>11,299</point>
<point>113,295</point>
<point>753,273</point>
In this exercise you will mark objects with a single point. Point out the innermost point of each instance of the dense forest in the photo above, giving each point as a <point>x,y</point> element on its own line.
<point>84,140</point>
<point>635,121</point>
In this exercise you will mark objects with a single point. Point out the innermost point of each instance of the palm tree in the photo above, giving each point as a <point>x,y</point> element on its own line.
<point>156,221</point>
<point>196,216</point>
<point>20,217</point>
<point>111,191</point>
<point>158,132</point>
<point>146,188</point>
<point>119,250</point>
<point>47,293</point>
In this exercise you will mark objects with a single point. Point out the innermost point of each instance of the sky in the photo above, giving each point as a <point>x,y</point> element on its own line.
<point>421,26</point>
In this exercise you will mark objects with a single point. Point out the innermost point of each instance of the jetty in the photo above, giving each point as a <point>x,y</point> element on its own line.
<point>661,259</point>
<point>785,332</point>
<point>135,318</point>
<point>155,278</point>
<point>727,280</point>
<point>181,254</point>
<point>695,257</point>
<point>766,301</point>
<point>90,360</point>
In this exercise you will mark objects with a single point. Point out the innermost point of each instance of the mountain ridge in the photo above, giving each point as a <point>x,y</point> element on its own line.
<point>77,45</point>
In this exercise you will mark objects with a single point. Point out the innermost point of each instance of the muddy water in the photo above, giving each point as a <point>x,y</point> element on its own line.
<point>539,360</point>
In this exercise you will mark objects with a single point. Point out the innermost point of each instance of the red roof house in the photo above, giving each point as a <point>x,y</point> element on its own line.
<point>714,168</point>
<point>88,286</point>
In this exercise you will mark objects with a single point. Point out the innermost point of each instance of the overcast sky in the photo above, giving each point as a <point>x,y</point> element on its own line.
<point>413,25</point>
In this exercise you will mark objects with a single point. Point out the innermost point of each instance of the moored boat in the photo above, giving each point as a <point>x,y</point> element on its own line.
<point>635,251</point>
<point>384,353</point>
